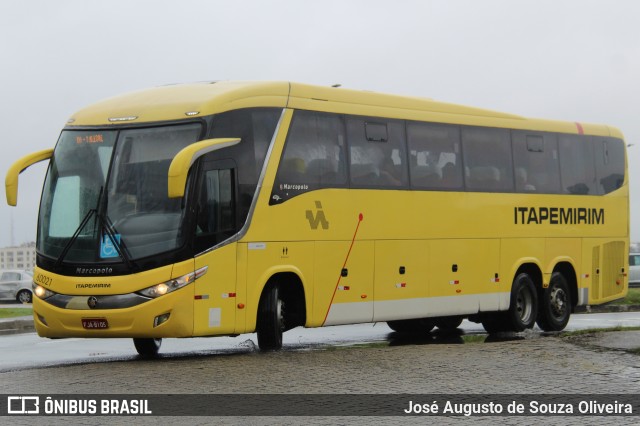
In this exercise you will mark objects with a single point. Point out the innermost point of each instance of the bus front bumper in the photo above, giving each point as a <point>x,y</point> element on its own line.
<point>170,315</point>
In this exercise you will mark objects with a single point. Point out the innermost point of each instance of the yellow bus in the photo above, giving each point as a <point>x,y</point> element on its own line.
<point>235,207</point>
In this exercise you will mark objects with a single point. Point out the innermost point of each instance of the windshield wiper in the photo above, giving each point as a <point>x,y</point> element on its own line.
<point>105,223</point>
<point>111,234</point>
<point>76,234</point>
<point>74,237</point>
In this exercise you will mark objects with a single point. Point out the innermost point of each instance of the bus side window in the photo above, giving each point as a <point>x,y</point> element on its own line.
<point>377,151</point>
<point>216,215</point>
<point>435,161</point>
<point>313,157</point>
<point>577,166</point>
<point>487,159</point>
<point>535,157</point>
<point>609,163</point>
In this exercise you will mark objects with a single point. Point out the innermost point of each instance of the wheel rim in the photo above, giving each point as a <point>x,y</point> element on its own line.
<point>558,302</point>
<point>524,302</point>
<point>280,313</point>
<point>24,297</point>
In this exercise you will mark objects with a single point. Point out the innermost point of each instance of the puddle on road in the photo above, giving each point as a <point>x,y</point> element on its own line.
<point>455,337</point>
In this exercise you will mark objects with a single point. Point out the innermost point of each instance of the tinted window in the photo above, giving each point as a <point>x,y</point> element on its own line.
<point>537,168</point>
<point>487,159</point>
<point>255,128</point>
<point>377,153</point>
<point>216,207</point>
<point>314,155</point>
<point>577,169</point>
<point>435,160</point>
<point>609,155</point>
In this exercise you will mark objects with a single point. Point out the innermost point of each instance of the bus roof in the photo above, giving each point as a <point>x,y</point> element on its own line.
<point>182,101</point>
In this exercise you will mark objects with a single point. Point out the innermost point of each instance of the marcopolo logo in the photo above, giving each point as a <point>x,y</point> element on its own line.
<point>318,219</point>
<point>23,405</point>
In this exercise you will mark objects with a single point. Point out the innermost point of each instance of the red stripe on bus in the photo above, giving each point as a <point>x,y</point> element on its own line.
<point>360,217</point>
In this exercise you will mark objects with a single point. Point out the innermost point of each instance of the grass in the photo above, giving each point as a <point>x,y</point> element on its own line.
<point>597,330</point>
<point>474,338</point>
<point>633,298</point>
<point>15,312</point>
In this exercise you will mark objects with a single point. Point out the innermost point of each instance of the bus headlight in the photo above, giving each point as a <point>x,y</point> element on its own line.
<point>41,292</point>
<point>172,285</point>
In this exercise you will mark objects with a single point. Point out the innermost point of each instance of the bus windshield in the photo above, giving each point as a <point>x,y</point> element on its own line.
<point>106,194</point>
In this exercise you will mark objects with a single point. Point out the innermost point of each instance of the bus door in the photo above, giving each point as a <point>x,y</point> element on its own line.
<point>216,220</point>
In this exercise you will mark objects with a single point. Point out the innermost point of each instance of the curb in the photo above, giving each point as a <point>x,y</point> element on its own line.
<point>16,325</point>
<point>588,309</point>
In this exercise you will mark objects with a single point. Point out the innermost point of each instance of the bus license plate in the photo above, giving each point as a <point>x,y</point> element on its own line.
<point>95,323</point>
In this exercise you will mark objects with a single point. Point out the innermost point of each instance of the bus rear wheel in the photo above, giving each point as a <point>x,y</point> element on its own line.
<point>555,304</point>
<point>418,325</point>
<point>523,309</point>
<point>147,348</point>
<point>271,323</point>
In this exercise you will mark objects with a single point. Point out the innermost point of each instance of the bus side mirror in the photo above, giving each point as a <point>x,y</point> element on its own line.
<point>182,162</point>
<point>11,179</point>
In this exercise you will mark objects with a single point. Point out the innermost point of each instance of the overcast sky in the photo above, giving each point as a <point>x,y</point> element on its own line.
<point>575,60</point>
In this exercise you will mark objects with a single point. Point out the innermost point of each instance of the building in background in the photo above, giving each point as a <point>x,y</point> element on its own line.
<point>21,257</point>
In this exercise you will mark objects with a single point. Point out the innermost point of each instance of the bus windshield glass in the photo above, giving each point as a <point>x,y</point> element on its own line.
<point>106,194</point>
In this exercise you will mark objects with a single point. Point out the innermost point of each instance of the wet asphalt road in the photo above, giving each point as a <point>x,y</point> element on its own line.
<point>26,351</point>
<point>364,358</point>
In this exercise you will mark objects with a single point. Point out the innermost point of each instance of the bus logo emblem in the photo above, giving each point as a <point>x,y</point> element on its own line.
<point>92,302</point>
<point>318,219</point>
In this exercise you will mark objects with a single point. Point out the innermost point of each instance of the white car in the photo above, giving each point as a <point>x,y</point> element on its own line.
<point>16,284</point>
<point>634,269</point>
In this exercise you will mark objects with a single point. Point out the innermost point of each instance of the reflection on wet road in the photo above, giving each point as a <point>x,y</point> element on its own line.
<point>30,351</point>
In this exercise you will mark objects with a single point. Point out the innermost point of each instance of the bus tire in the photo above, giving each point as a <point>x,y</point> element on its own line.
<point>495,322</point>
<point>555,304</point>
<point>448,323</point>
<point>270,320</point>
<point>148,347</point>
<point>523,309</point>
<point>418,325</point>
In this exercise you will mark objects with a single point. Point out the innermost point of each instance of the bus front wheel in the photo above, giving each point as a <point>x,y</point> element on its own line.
<point>147,348</point>
<point>555,304</point>
<point>271,320</point>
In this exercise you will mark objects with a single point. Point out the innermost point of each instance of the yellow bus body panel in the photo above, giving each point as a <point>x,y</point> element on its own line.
<point>217,294</point>
<point>361,255</point>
